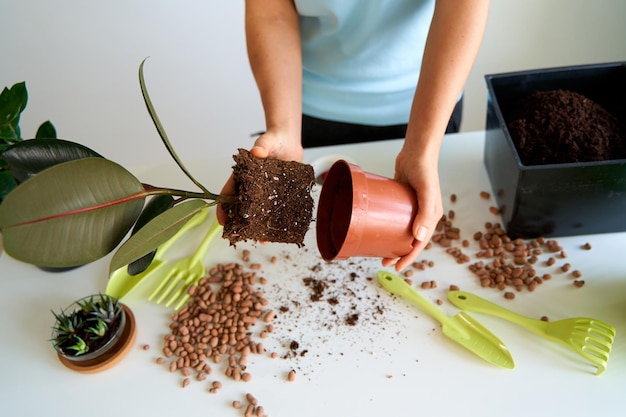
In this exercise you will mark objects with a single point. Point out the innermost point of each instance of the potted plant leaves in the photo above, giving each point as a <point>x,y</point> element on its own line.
<point>13,101</point>
<point>93,203</point>
<point>93,333</point>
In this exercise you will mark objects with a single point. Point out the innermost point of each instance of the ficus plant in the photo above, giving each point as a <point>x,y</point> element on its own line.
<point>13,102</point>
<point>76,211</point>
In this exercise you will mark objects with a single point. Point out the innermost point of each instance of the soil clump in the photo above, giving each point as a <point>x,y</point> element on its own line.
<point>561,126</point>
<point>275,202</point>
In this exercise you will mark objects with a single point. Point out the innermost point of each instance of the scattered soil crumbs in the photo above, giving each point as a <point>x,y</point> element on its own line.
<point>560,126</point>
<point>332,299</point>
<point>275,203</point>
<point>300,313</point>
<point>265,308</point>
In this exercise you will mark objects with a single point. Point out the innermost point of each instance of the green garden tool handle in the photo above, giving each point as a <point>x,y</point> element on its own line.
<point>206,241</point>
<point>397,285</point>
<point>199,218</point>
<point>471,302</point>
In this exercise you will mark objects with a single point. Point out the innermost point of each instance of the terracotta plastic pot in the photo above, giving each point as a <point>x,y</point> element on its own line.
<point>363,215</point>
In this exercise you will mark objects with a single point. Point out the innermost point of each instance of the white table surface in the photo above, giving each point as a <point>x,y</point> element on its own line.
<point>395,363</point>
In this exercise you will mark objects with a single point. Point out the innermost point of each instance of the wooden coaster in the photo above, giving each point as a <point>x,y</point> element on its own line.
<point>114,355</point>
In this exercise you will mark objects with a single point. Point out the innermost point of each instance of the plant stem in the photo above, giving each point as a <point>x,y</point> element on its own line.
<point>217,198</point>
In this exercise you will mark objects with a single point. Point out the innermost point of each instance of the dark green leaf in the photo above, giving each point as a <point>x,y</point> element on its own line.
<point>7,183</point>
<point>155,233</point>
<point>71,214</point>
<point>31,156</point>
<point>157,205</point>
<point>12,102</point>
<point>46,131</point>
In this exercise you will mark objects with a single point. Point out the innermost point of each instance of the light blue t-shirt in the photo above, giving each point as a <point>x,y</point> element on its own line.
<point>362,58</point>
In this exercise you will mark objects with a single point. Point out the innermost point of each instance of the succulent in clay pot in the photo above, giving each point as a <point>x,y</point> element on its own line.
<point>93,333</point>
<point>77,209</point>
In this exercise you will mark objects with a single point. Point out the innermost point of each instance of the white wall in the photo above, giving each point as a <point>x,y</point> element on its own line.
<point>530,34</point>
<point>79,59</point>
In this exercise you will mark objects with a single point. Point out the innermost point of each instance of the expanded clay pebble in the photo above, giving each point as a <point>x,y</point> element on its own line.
<point>215,325</point>
<point>428,284</point>
<point>446,235</point>
<point>587,246</point>
<point>506,262</point>
<point>291,376</point>
<point>421,265</point>
<point>251,399</point>
<point>503,262</point>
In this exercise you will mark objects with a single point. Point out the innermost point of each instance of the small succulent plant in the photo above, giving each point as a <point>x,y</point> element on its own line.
<point>106,308</point>
<point>87,326</point>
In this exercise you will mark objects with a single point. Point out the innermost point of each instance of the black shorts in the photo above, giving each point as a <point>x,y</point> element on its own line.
<point>320,132</point>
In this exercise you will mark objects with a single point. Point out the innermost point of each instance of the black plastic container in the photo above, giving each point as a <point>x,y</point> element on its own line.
<point>556,199</point>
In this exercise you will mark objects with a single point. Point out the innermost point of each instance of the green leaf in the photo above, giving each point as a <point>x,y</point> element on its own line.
<point>12,103</point>
<point>46,131</point>
<point>157,205</point>
<point>7,183</point>
<point>31,156</point>
<point>71,214</point>
<point>156,232</point>
<point>163,135</point>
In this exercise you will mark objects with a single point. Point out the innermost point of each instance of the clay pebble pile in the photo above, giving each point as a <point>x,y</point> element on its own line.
<point>505,264</point>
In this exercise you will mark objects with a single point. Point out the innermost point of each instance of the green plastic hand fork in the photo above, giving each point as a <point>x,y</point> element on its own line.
<point>121,282</point>
<point>185,272</point>
<point>590,338</point>
<point>461,328</point>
